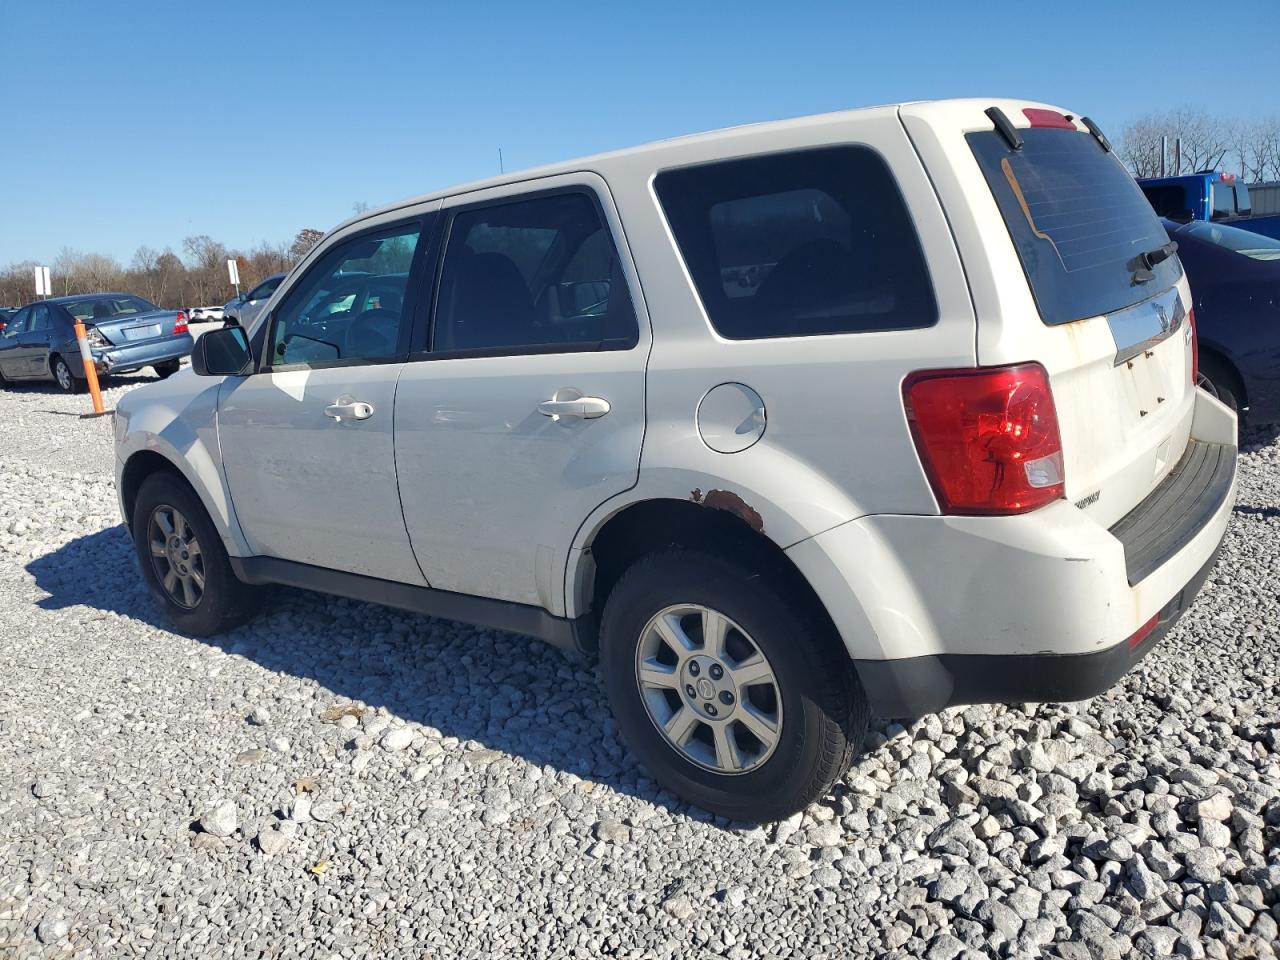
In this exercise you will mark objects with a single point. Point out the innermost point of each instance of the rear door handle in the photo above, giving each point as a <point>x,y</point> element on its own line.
<point>578,407</point>
<point>346,408</point>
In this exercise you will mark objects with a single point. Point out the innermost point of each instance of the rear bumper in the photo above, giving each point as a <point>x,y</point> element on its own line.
<point>915,686</point>
<point>133,355</point>
<point>942,610</point>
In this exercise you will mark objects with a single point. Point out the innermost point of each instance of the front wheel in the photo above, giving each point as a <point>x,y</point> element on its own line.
<point>167,369</point>
<point>183,561</point>
<point>733,697</point>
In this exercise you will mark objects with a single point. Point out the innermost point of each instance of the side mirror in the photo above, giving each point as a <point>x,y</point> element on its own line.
<point>222,353</point>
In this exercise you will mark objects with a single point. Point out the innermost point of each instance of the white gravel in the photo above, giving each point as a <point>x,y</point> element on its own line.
<point>343,780</point>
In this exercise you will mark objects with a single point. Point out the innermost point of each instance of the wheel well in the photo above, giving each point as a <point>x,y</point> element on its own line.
<point>138,467</point>
<point>1218,360</point>
<point>652,525</point>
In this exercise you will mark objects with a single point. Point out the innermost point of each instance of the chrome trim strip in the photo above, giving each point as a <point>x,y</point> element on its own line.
<point>1142,326</point>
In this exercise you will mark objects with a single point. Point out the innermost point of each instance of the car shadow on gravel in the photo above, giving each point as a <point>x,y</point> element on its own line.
<point>508,693</point>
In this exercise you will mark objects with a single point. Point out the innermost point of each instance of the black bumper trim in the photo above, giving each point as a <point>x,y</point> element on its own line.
<point>1176,510</point>
<point>915,686</point>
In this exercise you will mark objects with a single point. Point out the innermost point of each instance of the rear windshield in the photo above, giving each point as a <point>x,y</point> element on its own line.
<point>1078,221</point>
<point>108,308</point>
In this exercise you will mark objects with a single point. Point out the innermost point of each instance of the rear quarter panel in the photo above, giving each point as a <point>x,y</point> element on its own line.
<point>836,445</point>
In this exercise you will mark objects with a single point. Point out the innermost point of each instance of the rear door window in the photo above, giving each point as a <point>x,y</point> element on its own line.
<point>536,275</point>
<point>799,244</point>
<point>1078,220</point>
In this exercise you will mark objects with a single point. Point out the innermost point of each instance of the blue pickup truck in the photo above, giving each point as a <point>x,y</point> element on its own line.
<point>1207,196</point>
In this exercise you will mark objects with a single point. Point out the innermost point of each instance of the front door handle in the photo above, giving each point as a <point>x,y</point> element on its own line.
<point>571,403</point>
<point>346,408</point>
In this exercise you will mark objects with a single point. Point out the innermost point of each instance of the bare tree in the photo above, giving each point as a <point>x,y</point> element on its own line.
<point>307,238</point>
<point>1140,146</point>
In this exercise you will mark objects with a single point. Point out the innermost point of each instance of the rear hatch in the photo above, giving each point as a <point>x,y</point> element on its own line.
<point>1089,287</point>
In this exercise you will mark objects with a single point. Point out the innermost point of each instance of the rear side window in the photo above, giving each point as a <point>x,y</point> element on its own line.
<point>536,275</point>
<point>1077,219</point>
<point>799,244</point>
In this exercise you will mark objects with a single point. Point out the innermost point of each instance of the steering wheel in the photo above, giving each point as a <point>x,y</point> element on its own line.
<point>374,333</point>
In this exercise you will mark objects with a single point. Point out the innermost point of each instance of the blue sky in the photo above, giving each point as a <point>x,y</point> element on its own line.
<point>140,123</point>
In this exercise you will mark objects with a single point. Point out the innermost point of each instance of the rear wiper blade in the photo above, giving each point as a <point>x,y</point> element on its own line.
<point>1159,254</point>
<point>1149,260</point>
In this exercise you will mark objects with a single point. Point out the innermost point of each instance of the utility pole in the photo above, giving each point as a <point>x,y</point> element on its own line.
<point>501,169</point>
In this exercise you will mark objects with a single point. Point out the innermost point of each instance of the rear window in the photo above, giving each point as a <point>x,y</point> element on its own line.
<point>1077,219</point>
<point>1224,200</point>
<point>799,244</point>
<point>108,308</point>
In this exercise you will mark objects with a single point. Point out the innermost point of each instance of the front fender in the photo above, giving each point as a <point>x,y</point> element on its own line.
<point>179,424</point>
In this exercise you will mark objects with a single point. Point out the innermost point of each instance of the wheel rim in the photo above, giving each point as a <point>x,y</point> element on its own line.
<point>176,556</point>
<point>63,373</point>
<point>1204,383</point>
<point>709,689</point>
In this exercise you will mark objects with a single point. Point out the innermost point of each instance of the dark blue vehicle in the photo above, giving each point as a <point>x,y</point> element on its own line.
<point>1235,288</point>
<point>124,333</point>
<point>1211,197</point>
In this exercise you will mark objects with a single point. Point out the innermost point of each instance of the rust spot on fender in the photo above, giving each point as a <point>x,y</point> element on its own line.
<point>730,502</point>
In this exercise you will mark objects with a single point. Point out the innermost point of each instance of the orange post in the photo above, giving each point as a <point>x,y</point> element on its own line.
<point>90,372</point>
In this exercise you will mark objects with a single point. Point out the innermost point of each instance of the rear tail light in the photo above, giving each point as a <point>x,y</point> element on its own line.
<point>94,338</point>
<point>180,323</point>
<point>1195,347</point>
<point>987,437</point>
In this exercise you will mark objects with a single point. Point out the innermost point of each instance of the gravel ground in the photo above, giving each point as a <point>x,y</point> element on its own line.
<point>343,780</point>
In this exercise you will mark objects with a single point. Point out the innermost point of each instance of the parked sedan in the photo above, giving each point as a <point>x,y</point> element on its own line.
<point>245,309</point>
<point>1235,283</point>
<point>125,333</point>
<point>5,316</point>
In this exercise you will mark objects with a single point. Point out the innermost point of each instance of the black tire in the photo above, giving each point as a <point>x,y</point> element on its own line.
<point>224,602</point>
<point>823,708</point>
<point>64,375</point>
<point>167,369</point>
<point>1220,381</point>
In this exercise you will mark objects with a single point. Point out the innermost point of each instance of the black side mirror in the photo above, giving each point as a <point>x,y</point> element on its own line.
<point>222,353</point>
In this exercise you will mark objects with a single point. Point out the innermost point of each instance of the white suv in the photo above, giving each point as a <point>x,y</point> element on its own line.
<point>873,412</point>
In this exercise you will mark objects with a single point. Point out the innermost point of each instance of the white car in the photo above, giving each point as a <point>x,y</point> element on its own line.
<point>873,412</point>
<point>204,314</point>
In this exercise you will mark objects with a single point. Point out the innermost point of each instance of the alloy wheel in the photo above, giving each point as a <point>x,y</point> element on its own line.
<point>176,556</point>
<point>63,374</point>
<point>709,689</point>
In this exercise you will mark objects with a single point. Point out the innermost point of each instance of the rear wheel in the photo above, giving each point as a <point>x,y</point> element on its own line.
<point>183,561</point>
<point>733,697</point>
<point>1217,379</point>
<point>167,369</point>
<point>65,378</point>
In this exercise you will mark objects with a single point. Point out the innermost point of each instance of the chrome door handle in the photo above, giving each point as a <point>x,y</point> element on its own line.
<point>579,407</point>
<point>345,408</point>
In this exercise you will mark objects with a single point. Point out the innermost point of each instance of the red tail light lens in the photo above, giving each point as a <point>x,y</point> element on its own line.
<point>1143,632</point>
<point>988,437</point>
<point>180,323</point>
<point>1195,348</point>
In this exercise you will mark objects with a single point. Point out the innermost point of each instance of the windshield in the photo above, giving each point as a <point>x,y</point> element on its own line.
<point>1078,221</point>
<point>1253,245</point>
<point>109,308</point>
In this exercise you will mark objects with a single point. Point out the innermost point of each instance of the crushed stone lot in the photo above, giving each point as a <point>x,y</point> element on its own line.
<point>343,780</point>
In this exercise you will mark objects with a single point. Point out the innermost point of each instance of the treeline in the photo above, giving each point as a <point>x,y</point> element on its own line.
<point>1190,139</point>
<point>196,279</point>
